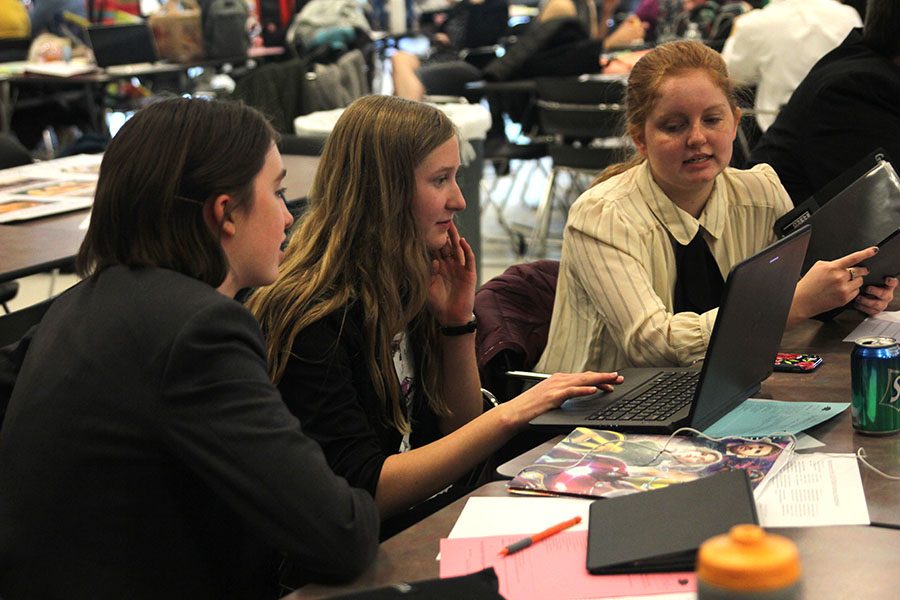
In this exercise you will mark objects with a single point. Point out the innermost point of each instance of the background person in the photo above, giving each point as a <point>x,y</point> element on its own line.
<point>14,22</point>
<point>773,48</point>
<point>847,107</point>
<point>369,326</point>
<point>144,450</point>
<point>566,38</point>
<point>647,248</point>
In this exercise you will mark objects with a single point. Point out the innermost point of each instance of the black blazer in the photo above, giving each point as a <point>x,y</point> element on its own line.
<point>328,386</point>
<point>847,107</point>
<point>145,454</point>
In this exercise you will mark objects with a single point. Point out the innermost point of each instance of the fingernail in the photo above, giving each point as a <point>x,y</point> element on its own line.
<point>876,249</point>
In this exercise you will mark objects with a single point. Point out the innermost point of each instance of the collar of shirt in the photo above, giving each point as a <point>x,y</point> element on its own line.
<point>682,226</point>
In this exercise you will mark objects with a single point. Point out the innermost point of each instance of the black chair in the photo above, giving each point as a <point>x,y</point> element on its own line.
<point>14,49</point>
<point>12,153</point>
<point>486,25</point>
<point>8,291</point>
<point>518,156</point>
<point>14,325</point>
<point>585,117</point>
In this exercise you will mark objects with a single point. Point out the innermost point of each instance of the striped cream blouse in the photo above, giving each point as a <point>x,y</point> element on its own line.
<point>613,305</point>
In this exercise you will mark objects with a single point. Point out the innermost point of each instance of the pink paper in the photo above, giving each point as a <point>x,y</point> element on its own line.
<point>553,568</point>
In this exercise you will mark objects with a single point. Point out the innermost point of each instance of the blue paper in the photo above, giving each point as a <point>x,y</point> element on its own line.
<point>758,418</point>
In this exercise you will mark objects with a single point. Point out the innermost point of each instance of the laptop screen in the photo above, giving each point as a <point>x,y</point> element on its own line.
<point>749,326</point>
<point>122,44</point>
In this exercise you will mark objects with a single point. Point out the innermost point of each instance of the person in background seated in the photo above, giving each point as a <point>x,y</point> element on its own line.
<point>646,249</point>
<point>847,107</point>
<point>370,329</point>
<point>50,15</point>
<point>773,48</point>
<point>14,22</point>
<point>566,38</point>
<point>144,450</point>
<point>446,33</point>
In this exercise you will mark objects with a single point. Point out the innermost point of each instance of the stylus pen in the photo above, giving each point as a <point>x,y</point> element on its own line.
<point>528,375</point>
<point>525,542</point>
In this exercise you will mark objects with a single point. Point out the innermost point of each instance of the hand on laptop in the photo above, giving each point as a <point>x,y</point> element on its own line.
<point>553,391</point>
<point>832,284</point>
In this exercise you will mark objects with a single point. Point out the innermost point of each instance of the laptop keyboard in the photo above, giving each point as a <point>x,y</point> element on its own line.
<point>667,393</point>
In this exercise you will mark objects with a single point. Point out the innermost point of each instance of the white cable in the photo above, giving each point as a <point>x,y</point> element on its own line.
<point>861,456</point>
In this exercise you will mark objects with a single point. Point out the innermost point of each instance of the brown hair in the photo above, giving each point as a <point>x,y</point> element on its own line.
<point>646,78</point>
<point>358,242</point>
<point>165,163</point>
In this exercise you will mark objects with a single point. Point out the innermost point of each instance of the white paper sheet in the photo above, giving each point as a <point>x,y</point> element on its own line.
<point>815,490</point>
<point>505,515</point>
<point>807,442</point>
<point>885,324</point>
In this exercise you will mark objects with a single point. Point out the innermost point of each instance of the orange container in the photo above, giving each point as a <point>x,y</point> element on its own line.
<point>748,564</point>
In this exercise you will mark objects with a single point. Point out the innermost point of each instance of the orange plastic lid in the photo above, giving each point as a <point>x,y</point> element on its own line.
<point>748,558</point>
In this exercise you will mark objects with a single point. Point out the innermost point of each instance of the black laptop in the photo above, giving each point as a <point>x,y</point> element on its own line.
<point>745,338</point>
<point>120,47</point>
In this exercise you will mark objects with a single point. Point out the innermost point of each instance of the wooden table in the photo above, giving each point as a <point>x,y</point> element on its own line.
<point>39,245</point>
<point>838,562</point>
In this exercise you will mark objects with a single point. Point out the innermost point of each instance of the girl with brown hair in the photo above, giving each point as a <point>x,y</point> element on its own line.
<point>370,326</point>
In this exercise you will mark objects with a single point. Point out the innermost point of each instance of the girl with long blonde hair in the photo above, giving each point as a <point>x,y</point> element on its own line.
<point>370,326</point>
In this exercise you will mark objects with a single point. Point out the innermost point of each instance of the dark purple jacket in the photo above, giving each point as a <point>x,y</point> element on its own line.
<point>513,311</point>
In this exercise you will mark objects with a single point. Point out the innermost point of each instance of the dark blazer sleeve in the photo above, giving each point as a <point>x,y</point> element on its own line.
<point>225,420</point>
<point>11,358</point>
<point>327,386</point>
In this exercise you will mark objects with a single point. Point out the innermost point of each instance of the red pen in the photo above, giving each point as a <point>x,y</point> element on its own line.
<point>525,542</point>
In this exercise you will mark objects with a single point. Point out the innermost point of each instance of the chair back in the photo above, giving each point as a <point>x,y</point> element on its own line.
<point>486,23</point>
<point>12,153</point>
<point>14,325</point>
<point>580,112</point>
<point>513,311</point>
<point>14,49</point>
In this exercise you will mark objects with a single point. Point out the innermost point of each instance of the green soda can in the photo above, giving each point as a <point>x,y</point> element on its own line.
<point>875,383</point>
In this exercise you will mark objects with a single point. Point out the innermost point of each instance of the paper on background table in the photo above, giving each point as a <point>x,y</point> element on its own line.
<point>885,324</point>
<point>48,188</point>
<point>813,490</point>
<point>759,417</point>
<point>552,569</point>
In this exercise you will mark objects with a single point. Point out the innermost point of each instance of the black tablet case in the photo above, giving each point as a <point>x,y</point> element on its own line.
<point>862,213</point>
<point>661,530</point>
<point>886,263</point>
